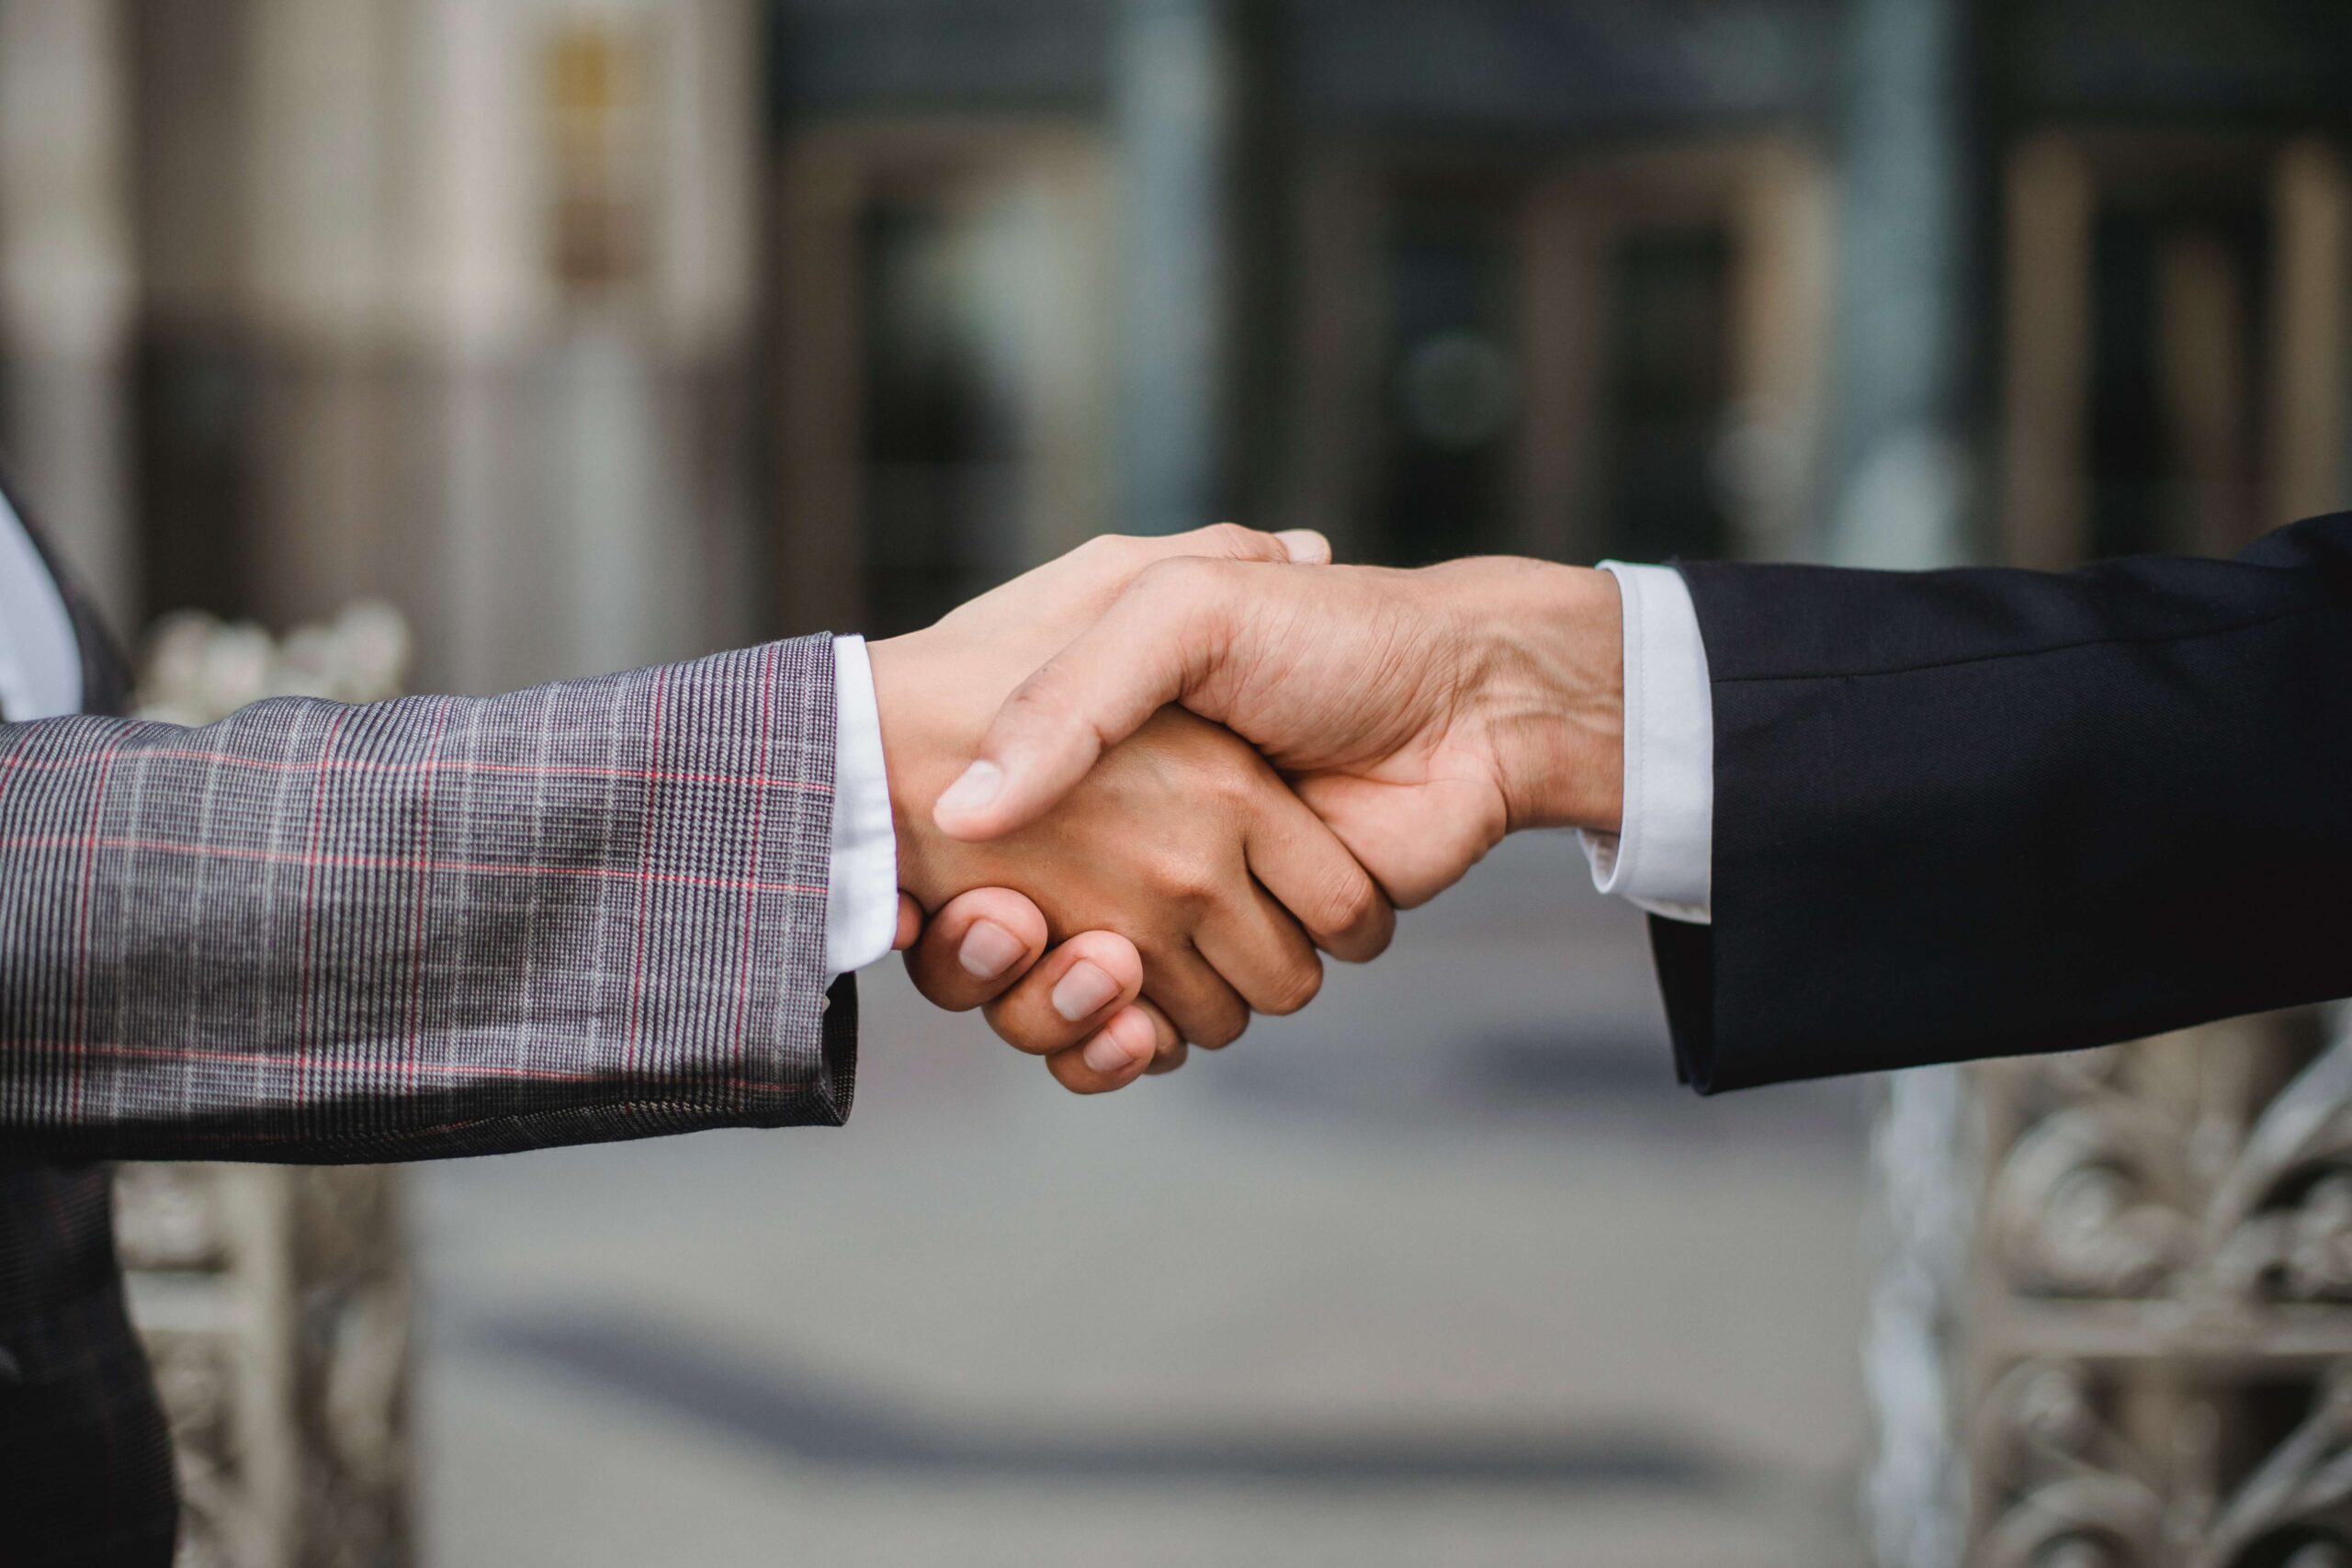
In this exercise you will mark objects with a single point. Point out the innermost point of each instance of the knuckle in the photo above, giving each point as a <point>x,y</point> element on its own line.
<point>1232,540</point>
<point>1350,906</point>
<point>1376,939</point>
<point>1043,696</point>
<point>1182,579</point>
<point>1296,985</point>
<point>1188,879</point>
<point>1226,778</point>
<point>1222,1028</point>
<point>1191,599</point>
<point>1109,547</point>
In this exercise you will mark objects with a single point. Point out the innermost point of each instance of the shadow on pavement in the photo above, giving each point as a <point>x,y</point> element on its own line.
<point>796,1415</point>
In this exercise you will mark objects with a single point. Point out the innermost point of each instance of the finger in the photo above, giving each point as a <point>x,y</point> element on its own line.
<point>1230,541</point>
<point>1260,952</point>
<point>1091,577</point>
<point>1122,1051</point>
<point>910,924</point>
<point>1163,637</point>
<point>977,948</point>
<point>1306,547</point>
<point>1171,1050</point>
<point>1208,1012</point>
<point>1068,999</point>
<point>1422,852</point>
<point>1311,872</point>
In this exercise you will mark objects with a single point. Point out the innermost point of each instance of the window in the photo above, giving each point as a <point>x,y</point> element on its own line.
<point>942,360</point>
<point>1666,402</point>
<point>1452,393</point>
<point>2175,375</point>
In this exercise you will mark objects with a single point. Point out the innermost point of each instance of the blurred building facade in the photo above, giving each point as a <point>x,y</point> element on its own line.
<point>596,332</point>
<point>448,303</point>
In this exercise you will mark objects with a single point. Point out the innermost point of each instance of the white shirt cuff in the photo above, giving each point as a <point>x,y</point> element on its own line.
<point>861,907</point>
<point>1662,859</point>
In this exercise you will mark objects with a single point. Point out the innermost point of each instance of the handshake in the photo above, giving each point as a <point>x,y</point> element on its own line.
<point>1140,793</point>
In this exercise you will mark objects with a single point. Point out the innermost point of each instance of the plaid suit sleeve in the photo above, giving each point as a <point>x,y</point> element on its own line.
<point>436,927</point>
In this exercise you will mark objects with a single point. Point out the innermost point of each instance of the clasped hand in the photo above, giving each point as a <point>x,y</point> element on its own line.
<point>1199,765</point>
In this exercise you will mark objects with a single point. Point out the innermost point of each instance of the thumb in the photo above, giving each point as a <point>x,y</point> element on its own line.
<point>1305,546</point>
<point>1155,646</point>
<point>1231,541</point>
<point>1219,541</point>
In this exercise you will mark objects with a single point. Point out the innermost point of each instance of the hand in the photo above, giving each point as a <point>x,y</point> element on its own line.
<point>1422,715</point>
<point>982,950</point>
<point>1183,841</point>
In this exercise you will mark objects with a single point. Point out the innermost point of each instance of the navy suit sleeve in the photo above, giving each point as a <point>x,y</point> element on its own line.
<point>1979,813</point>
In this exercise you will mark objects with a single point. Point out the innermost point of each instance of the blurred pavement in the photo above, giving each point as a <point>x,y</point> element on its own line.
<point>1445,1271</point>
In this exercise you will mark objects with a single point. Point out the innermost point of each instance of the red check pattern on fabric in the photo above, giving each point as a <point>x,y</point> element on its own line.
<point>441,926</point>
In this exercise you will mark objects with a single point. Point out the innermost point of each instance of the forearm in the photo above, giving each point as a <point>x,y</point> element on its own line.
<point>589,912</point>
<point>1979,813</point>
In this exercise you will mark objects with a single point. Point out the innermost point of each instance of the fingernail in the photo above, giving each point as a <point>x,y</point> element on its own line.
<point>1106,1055</point>
<point>1084,992</point>
<point>979,786</point>
<point>989,951</point>
<point>1305,545</point>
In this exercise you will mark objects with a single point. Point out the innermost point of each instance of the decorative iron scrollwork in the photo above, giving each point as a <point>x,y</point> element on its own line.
<point>2075,1490</point>
<point>2113,1194</point>
<point>275,1303</point>
<point>2145,1360</point>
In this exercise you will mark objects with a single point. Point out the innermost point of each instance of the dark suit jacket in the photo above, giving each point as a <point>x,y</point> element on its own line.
<point>1978,813</point>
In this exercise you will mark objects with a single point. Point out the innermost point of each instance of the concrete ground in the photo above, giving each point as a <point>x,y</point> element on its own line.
<point>1445,1271</point>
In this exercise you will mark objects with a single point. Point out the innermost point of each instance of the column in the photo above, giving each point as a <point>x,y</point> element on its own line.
<point>1174,114</point>
<point>478,302</point>
<point>583,241</point>
<point>1902,468</point>
<point>319,227</point>
<point>1901,473</point>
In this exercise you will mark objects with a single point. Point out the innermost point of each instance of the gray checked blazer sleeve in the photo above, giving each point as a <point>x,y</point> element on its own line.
<point>436,927</point>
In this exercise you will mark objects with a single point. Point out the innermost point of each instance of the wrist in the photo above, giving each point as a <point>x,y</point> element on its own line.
<point>924,743</point>
<point>1551,691</point>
